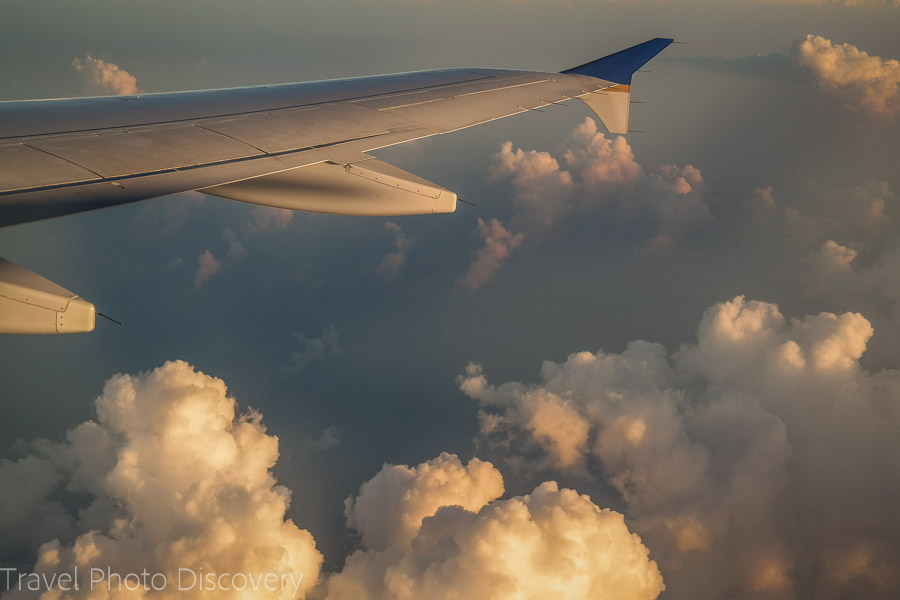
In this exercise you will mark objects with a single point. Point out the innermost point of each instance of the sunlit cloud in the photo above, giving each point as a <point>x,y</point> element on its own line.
<point>727,451</point>
<point>865,82</point>
<point>105,77</point>
<point>602,178</point>
<point>438,531</point>
<point>499,243</point>
<point>176,478</point>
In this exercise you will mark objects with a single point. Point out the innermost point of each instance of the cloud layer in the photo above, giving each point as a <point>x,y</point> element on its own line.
<point>176,479</point>
<point>758,460</point>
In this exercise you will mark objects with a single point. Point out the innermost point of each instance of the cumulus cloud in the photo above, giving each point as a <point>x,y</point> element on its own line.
<point>602,178</point>
<point>207,266</point>
<point>757,461</point>
<point>106,77</point>
<point>176,478</point>
<point>541,187</point>
<point>437,531</point>
<point>499,243</point>
<point>865,82</point>
<point>393,262</point>
<point>325,346</point>
<point>390,507</point>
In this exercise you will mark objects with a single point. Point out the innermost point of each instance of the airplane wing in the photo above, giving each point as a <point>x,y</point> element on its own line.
<point>301,146</point>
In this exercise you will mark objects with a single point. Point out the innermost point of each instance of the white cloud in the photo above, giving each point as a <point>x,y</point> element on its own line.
<point>207,266</point>
<point>390,507</point>
<point>865,82</point>
<point>499,243</point>
<point>106,77</point>
<point>603,177</point>
<point>177,479</point>
<point>393,262</point>
<point>731,453</point>
<point>325,346</point>
<point>599,160</point>
<point>541,187</point>
<point>445,536</point>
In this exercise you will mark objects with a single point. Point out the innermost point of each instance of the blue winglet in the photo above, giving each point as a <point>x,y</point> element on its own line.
<point>619,67</point>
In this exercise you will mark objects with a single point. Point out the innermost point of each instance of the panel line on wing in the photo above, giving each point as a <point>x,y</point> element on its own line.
<point>230,137</point>
<point>71,162</point>
<point>181,169</point>
<point>477,77</point>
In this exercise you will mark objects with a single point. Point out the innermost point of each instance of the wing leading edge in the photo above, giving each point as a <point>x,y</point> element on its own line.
<point>299,146</point>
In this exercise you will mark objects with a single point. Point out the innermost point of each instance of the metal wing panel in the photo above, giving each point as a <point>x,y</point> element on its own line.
<point>24,167</point>
<point>292,129</point>
<point>132,152</point>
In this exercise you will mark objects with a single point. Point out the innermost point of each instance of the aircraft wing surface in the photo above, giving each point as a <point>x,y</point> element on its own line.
<point>302,146</point>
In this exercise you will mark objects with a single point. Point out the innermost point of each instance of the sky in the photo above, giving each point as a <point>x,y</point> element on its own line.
<point>663,365</point>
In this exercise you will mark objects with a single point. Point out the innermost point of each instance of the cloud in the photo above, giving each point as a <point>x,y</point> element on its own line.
<point>864,215</point>
<point>392,262</point>
<point>160,217</point>
<point>599,160</point>
<point>864,82</point>
<point>437,531</point>
<point>175,477</point>
<point>106,77</point>
<point>603,178</point>
<point>207,266</point>
<point>498,245</point>
<point>330,438</point>
<point>267,218</point>
<point>325,346</point>
<point>390,507</point>
<point>541,187</point>
<point>236,251</point>
<point>758,460</point>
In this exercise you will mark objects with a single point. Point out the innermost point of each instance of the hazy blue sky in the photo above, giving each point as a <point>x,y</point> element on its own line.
<point>792,156</point>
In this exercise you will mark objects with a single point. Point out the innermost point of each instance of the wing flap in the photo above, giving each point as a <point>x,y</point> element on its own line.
<point>368,187</point>
<point>33,304</point>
